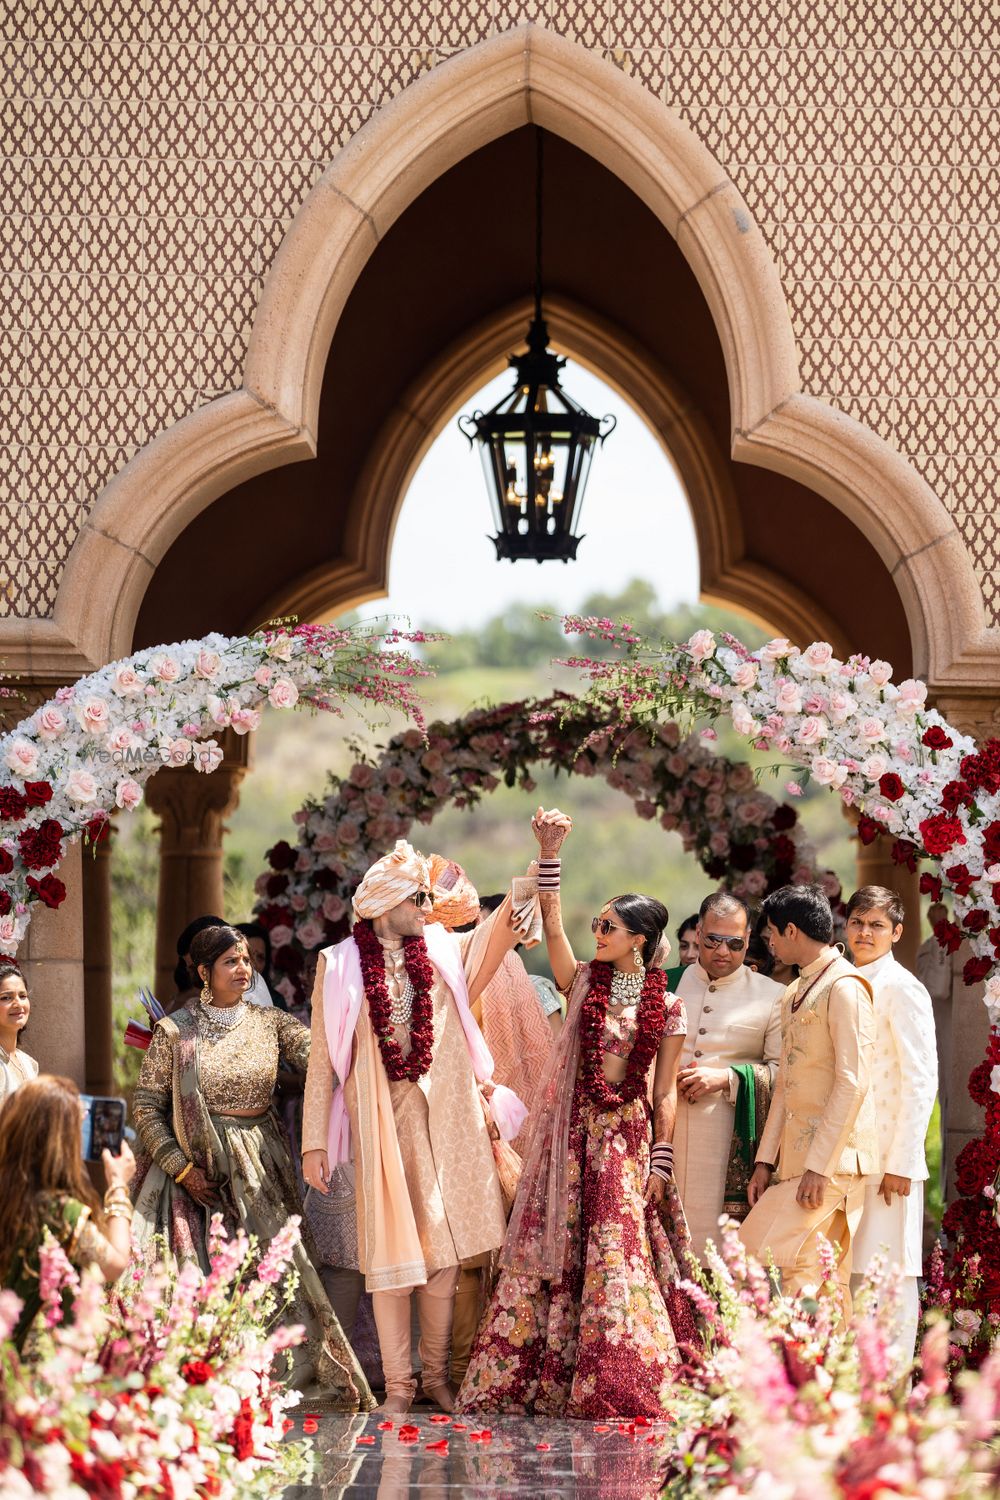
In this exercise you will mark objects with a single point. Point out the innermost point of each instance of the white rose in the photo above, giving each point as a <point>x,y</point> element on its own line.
<point>80,786</point>
<point>283,693</point>
<point>22,758</point>
<point>880,673</point>
<point>128,793</point>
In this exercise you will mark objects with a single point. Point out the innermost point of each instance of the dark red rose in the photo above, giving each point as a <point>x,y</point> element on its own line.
<point>6,861</point>
<point>277,885</point>
<point>41,847</point>
<point>197,1372</point>
<point>741,857</point>
<point>972,1169</point>
<point>242,1438</point>
<point>783,849</point>
<point>868,829</point>
<point>930,885</point>
<point>955,795</point>
<point>37,793</point>
<point>959,877</point>
<point>288,960</point>
<point>949,935</point>
<point>48,889</point>
<point>991,842</point>
<point>994,937</point>
<point>904,853</point>
<point>13,804</point>
<point>276,915</point>
<point>5,903</point>
<point>325,880</point>
<point>716,868</point>
<point>980,1090</point>
<point>891,786</point>
<point>936,739</point>
<point>784,817</point>
<point>941,833</point>
<point>976,970</point>
<point>976,920</point>
<point>282,856</point>
<point>98,829</point>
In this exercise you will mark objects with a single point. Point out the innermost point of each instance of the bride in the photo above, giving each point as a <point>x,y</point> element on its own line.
<point>588,1318</point>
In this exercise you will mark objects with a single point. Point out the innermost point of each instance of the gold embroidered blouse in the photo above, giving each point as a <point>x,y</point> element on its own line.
<point>237,1069</point>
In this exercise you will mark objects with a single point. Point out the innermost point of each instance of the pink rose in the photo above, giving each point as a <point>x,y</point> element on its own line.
<point>207,663</point>
<point>298,902</point>
<point>166,668</point>
<point>912,696</point>
<point>741,777</point>
<point>207,757</point>
<point>80,786</point>
<point>743,720</point>
<point>395,776</point>
<point>669,734</point>
<point>334,907</point>
<point>783,744</point>
<point>260,884</point>
<point>361,775</point>
<point>793,789</point>
<point>880,673</point>
<point>646,809</point>
<point>701,776</point>
<point>719,842</point>
<point>218,711</point>
<point>714,805</point>
<point>819,655</point>
<point>812,731</point>
<point>874,766</point>
<point>432,761</point>
<point>668,821</point>
<point>128,681</point>
<point>745,675</point>
<point>310,933</point>
<point>324,842</point>
<point>51,722</point>
<point>263,676</point>
<point>814,703</point>
<point>93,715</point>
<point>754,883</point>
<point>300,816</point>
<point>841,705</point>
<point>280,647</point>
<point>8,934</point>
<point>777,649</point>
<point>872,730</point>
<point>441,786</point>
<point>245,720</point>
<point>128,794</point>
<point>788,699</point>
<point>121,741</point>
<point>701,645</point>
<point>176,752</point>
<point>281,936</point>
<point>348,833</point>
<point>677,765</point>
<point>22,758</point>
<point>412,739</point>
<point>828,773</point>
<point>375,802</point>
<point>283,693</point>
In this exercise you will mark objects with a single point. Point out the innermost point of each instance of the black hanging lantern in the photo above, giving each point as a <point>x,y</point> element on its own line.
<point>537,444</point>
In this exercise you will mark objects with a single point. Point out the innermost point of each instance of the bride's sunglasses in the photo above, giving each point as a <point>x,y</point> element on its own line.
<point>604,927</point>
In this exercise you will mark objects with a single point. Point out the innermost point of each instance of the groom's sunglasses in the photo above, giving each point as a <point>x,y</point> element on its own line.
<point>421,898</point>
<point>713,940</point>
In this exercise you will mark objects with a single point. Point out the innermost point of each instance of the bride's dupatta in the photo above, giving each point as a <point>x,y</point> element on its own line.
<point>538,1233</point>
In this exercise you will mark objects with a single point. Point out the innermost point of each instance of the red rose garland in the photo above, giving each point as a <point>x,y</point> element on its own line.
<point>651,1019</point>
<point>420,972</point>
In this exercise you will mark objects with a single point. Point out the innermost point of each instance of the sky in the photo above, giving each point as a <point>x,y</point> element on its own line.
<point>635,520</point>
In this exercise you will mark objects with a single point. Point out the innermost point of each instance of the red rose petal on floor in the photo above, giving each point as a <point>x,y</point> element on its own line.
<point>441,1446</point>
<point>643,1422</point>
<point>601,1427</point>
<point>310,1425</point>
<point>287,1425</point>
<point>543,1447</point>
<point>408,1433</point>
<point>363,1442</point>
<point>440,1417</point>
<point>486,1436</point>
<point>459,1427</point>
<point>385,1426</point>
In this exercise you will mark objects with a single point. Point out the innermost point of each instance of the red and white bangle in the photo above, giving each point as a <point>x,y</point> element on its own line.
<point>661,1160</point>
<point>548,874</point>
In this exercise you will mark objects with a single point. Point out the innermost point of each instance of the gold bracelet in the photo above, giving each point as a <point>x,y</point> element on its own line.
<point>118,1211</point>
<point>183,1172</point>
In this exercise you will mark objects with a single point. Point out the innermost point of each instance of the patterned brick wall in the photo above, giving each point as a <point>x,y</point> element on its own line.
<point>158,149</point>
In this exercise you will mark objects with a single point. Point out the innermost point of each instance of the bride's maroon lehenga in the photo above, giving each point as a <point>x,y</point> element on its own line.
<point>606,1337</point>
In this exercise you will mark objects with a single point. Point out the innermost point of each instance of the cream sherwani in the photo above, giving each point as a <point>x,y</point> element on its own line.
<point>904,1081</point>
<point>732,1020</point>
<point>822,1119</point>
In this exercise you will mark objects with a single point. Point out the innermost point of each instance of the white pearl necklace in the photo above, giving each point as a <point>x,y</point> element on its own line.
<point>223,1018</point>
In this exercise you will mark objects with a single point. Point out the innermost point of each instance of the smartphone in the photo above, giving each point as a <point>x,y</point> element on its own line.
<point>102,1125</point>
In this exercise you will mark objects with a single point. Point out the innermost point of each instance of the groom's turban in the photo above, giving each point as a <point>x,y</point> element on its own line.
<point>391,880</point>
<point>456,900</point>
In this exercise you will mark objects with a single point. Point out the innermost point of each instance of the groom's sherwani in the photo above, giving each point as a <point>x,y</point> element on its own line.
<point>822,1119</point>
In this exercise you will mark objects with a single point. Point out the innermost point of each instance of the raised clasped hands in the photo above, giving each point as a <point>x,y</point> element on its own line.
<point>550,828</point>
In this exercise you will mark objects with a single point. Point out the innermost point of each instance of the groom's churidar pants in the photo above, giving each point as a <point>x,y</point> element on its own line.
<point>779,1227</point>
<point>435,1304</point>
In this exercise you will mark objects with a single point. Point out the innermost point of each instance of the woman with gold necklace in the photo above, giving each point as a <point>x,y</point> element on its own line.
<point>16,1067</point>
<point>588,1317</point>
<point>212,1143</point>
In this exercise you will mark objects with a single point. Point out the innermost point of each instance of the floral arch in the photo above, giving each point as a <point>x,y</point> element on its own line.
<point>88,751</point>
<point>736,831</point>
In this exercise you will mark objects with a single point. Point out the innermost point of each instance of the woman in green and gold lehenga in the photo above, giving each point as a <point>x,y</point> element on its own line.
<point>203,1111</point>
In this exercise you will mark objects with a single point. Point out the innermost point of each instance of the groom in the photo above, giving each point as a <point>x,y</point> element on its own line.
<point>393,1080</point>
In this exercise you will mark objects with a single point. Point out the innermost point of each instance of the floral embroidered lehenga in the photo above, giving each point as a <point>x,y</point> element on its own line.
<point>196,1091</point>
<point>588,1317</point>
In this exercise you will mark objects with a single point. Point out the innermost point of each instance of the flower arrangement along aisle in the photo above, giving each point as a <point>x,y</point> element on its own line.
<point>789,1404</point>
<point>89,750</point>
<point>734,829</point>
<point>910,775</point>
<point>170,1392</point>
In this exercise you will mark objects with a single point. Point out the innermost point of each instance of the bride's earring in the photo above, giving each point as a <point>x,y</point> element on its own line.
<point>637,958</point>
<point>206,993</point>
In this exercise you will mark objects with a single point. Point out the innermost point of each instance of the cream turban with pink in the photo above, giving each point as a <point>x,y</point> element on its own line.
<point>390,880</point>
<point>456,900</point>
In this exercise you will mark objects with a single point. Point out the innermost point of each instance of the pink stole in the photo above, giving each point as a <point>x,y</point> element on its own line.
<point>343,994</point>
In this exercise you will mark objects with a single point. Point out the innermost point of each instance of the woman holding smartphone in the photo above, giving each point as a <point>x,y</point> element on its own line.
<point>44,1186</point>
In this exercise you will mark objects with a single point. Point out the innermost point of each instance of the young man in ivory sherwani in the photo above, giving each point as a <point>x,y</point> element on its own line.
<point>820,1133</point>
<point>904,1080</point>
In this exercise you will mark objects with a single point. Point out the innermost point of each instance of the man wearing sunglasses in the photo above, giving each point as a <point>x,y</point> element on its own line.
<point>733,1044</point>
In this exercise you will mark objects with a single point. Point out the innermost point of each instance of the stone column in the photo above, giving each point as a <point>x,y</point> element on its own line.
<point>192,809</point>
<point>52,958</point>
<point>97,965</point>
<point>969,1035</point>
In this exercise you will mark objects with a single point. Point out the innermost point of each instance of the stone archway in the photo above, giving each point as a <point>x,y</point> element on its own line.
<point>525,76</point>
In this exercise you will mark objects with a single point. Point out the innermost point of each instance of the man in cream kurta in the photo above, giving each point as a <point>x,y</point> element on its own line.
<point>734,1017</point>
<point>821,1131</point>
<point>904,1080</point>
<point>427,1192</point>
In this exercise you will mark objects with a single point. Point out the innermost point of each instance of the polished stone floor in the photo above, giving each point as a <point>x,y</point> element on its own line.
<point>432,1458</point>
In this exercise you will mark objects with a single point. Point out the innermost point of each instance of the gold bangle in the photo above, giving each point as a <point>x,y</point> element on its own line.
<point>116,1190</point>
<point>183,1172</point>
<point>118,1211</point>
